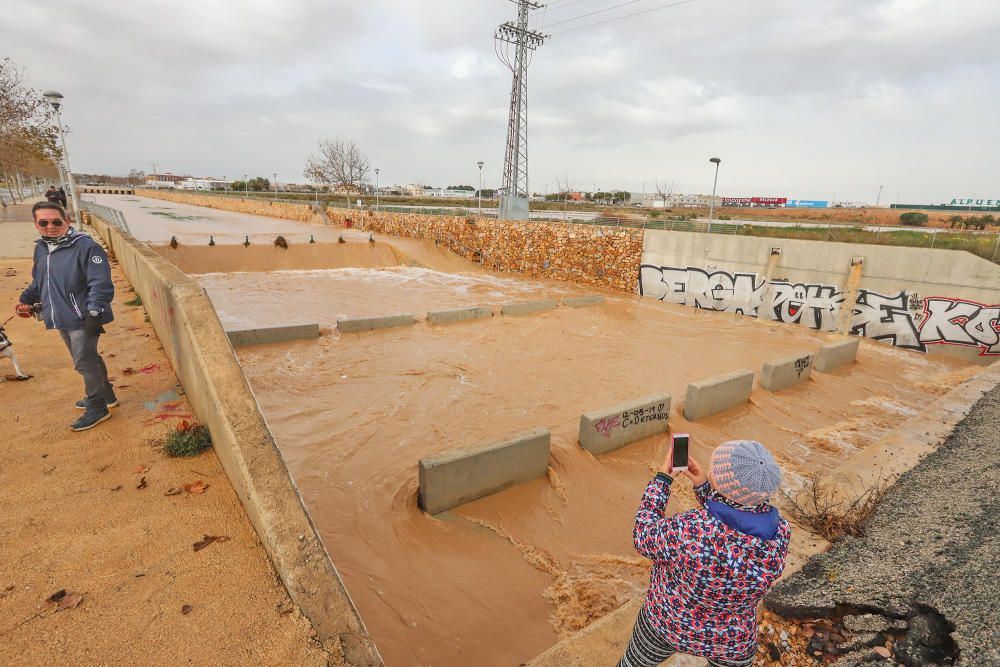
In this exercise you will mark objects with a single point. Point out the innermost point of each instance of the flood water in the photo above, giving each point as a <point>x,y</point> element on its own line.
<point>497,581</point>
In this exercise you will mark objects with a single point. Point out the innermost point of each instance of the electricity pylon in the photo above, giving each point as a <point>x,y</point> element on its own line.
<point>514,44</point>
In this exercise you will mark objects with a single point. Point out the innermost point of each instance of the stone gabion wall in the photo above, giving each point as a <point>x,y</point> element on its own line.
<point>285,210</point>
<point>585,254</point>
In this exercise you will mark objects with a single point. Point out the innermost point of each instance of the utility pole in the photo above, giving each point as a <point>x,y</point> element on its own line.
<point>514,42</point>
<point>879,197</point>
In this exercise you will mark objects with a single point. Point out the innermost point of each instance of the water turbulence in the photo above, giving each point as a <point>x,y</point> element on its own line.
<point>498,580</point>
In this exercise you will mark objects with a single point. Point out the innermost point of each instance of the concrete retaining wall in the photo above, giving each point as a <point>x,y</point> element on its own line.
<point>528,307</point>
<point>459,315</point>
<point>580,301</point>
<point>837,355</point>
<point>203,359</point>
<point>916,298</point>
<point>714,395</point>
<point>604,430</point>
<point>787,371</point>
<point>265,335</point>
<point>370,323</point>
<point>466,474</point>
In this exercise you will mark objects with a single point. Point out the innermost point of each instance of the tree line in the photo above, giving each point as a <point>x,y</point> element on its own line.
<point>29,148</point>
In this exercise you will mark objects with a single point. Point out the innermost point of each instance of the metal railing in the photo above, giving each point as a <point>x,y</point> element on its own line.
<point>111,215</point>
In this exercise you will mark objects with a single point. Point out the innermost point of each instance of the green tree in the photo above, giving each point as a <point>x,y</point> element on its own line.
<point>913,218</point>
<point>259,184</point>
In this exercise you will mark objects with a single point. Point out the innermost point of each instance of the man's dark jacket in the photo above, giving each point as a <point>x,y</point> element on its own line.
<point>69,281</point>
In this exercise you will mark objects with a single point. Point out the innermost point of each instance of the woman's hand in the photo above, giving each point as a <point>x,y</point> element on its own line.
<point>695,472</point>
<point>667,468</point>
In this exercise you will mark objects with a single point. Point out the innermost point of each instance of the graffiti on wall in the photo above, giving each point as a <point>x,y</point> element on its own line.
<point>905,319</point>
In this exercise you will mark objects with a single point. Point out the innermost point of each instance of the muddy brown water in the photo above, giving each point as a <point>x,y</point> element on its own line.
<point>496,581</point>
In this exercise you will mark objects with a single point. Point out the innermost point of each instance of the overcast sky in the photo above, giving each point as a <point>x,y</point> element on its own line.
<point>799,98</point>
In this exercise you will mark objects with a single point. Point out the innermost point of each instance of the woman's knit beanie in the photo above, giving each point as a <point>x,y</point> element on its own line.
<point>745,472</point>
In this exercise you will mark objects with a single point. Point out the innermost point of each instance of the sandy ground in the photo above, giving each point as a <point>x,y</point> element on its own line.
<point>88,513</point>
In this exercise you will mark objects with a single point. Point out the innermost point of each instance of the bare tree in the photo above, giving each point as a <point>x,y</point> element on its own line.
<point>665,191</point>
<point>341,163</point>
<point>564,186</point>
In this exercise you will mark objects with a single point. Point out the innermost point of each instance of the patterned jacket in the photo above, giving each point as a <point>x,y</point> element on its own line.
<point>707,576</point>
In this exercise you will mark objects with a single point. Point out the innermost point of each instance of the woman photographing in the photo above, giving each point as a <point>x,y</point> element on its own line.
<point>711,565</point>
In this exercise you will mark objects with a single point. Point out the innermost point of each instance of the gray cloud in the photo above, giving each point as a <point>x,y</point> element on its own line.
<point>800,98</point>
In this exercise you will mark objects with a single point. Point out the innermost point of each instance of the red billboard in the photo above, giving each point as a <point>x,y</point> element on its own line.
<point>769,201</point>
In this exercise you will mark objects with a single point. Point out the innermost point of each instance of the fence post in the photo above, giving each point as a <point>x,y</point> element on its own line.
<point>933,239</point>
<point>997,248</point>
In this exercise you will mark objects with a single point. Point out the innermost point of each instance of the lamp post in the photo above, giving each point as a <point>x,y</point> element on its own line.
<point>480,165</point>
<point>225,186</point>
<point>275,186</point>
<point>55,100</point>
<point>246,187</point>
<point>377,170</point>
<point>711,202</point>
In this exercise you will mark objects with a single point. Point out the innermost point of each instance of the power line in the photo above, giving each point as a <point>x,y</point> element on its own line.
<point>553,7</point>
<point>599,11</point>
<point>619,18</point>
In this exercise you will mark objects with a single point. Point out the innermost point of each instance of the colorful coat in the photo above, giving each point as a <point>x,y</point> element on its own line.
<point>707,576</point>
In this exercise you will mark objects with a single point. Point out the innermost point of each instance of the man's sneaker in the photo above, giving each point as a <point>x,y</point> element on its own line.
<point>82,403</point>
<point>90,419</point>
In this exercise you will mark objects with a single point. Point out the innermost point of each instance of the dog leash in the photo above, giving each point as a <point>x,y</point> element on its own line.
<point>8,320</point>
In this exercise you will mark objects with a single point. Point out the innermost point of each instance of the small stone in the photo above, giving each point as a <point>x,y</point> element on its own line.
<point>866,623</point>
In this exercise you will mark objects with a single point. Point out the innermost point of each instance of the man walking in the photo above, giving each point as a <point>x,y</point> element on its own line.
<point>71,280</point>
<point>52,194</point>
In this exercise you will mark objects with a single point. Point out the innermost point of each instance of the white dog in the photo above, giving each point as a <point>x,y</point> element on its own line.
<point>7,351</point>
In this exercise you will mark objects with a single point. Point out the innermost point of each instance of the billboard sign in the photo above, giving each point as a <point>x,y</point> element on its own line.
<point>959,201</point>
<point>768,201</point>
<point>806,203</point>
<point>737,201</point>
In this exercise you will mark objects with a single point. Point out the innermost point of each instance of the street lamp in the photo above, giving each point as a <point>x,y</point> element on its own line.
<point>275,186</point>
<point>711,202</point>
<point>377,170</point>
<point>246,187</point>
<point>480,164</point>
<point>55,100</point>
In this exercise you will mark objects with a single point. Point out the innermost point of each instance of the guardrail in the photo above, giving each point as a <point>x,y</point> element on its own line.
<point>112,215</point>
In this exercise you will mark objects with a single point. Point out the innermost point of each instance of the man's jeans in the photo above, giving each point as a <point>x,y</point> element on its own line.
<point>88,363</point>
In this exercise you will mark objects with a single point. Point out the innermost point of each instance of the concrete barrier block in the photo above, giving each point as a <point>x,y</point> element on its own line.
<point>356,325</point>
<point>528,307</point>
<point>272,334</point>
<point>467,474</point>
<point>580,301</point>
<point>604,430</point>
<point>835,355</point>
<point>716,394</point>
<point>786,371</point>
<point>459,315</point>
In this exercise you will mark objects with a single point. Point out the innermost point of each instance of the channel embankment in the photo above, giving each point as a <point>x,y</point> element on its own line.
<point>198,349</point>
<point>104,515</point>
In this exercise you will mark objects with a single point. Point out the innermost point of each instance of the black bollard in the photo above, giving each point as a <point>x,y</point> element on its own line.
<point>246,240</point>
<point>211,240</point>
<point>341,239</point>
<point>311,239</point>
<point>173,242</point>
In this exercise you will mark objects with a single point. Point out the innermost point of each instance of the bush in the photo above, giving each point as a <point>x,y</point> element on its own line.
<point>913,218</point>
<point>137,301</point>
<point>818,507</point>
<point>188,440</point>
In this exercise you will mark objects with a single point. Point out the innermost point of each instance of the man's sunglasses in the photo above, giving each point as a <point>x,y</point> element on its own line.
<point>58,222</point>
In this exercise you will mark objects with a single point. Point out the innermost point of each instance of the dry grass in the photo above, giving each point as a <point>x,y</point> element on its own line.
<point>819,507</point>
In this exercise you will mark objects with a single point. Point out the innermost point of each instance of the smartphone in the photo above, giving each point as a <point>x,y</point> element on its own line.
<point>680,442</point>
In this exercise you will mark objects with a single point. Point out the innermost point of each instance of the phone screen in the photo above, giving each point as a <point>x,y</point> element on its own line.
<point>680,441</point>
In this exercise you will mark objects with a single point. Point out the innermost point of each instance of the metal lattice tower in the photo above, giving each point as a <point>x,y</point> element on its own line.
<point>515,44</point>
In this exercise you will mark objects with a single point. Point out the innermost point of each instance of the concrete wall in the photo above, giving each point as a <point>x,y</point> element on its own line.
<point>290,211</point>
<point>203,359</point>
<point>585,254</point>
<point>265,335</point>
<point>462,475</point>
<point>608,429</point>
<point>915,298</point>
